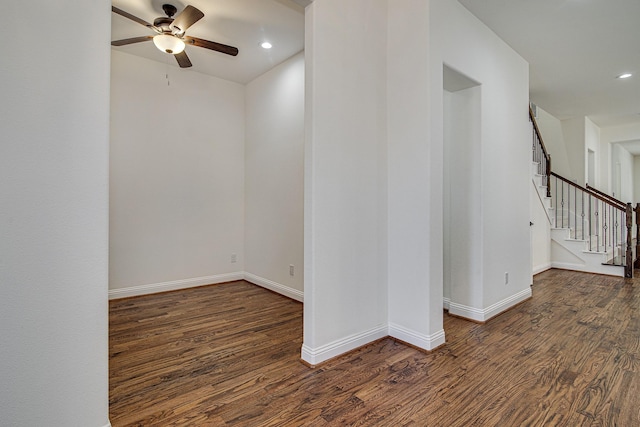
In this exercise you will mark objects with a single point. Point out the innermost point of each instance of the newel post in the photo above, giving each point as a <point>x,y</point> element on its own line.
<point>548,175</point>
<point>636,263</point>
<point>628,265</point>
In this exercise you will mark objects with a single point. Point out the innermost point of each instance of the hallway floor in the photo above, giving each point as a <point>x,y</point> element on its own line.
<point>229,354</point>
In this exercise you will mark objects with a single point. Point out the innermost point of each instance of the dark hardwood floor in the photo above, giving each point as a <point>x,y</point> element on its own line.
<point>230,355</point>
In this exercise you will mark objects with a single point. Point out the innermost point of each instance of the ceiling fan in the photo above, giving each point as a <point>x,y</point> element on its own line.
<point>170,33</point>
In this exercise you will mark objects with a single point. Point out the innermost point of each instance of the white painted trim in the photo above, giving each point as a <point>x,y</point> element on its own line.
<point>567,266</point>
<point>507,303</point>
<point>540,197</point>
<point>445,303</point>
<point>466,312</point>
<point>482,315</point>
<point>425,342</point>
<point>607,270</point>
<point>540,268</point>
<point>173,285</point>
<point>314,356</point>
<point>274,286</point>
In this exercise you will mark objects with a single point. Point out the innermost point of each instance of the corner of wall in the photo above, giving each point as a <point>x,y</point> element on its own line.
<point>485,314</point>
<point>314,356</point>
<point>417,339</point>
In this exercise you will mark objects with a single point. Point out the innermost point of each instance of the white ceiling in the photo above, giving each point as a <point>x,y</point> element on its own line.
<point>575,49</point>
<point>632,147</point>
<point>244,24</point>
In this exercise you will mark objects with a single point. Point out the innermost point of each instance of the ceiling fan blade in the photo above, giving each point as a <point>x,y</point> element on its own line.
<point>124,42</point>
<point>130,16</point>
<point>189,16</point>
<point>219,47</point>
<point>183,59</point>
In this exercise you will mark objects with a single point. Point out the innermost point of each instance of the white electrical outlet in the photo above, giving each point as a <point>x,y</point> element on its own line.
<point>234,258</point>
<point>290,269</point>
<point>506,278</point>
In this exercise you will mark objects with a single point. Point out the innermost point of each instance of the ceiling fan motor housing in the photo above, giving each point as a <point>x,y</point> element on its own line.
<point>163,23</point>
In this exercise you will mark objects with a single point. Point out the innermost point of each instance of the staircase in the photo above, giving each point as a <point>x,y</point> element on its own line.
<point>589,230</point>
<point>573,245</point>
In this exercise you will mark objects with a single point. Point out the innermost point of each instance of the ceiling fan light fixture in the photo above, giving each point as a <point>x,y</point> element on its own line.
<point>169,33</point>
<point>168,43</point>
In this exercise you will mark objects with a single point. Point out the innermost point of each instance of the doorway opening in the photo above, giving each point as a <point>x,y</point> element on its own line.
<point>591,168</point>
<point>462,191</point>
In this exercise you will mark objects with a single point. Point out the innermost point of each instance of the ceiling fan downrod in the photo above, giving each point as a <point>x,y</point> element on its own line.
<point>169,9</point>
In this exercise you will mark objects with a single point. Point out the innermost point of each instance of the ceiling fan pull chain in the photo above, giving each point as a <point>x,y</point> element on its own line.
<point>166,75</point>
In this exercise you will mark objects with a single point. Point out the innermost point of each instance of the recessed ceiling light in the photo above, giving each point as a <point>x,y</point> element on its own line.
<point>624,76</point>
<point>266,45</point>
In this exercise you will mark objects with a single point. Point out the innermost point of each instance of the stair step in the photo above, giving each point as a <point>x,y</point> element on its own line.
<point>613,263</point>
<point>586,251</point>
<point>577,240</point>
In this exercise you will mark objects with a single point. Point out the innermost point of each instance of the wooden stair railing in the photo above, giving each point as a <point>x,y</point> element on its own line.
<point>603,194</point>
<point>540,153</point>
<point>630,212</point>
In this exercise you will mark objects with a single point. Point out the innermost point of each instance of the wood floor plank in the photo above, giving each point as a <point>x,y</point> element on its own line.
<point>228,355</point>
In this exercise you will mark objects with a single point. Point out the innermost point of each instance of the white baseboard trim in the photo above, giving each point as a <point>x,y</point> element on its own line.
<point>540,268</point>
<point>467,312</point>
<point>173,285</point>
<point>482,315</point>
<point>425,342</point>
<point>314,356</point>
<point>445,303</point>
<point>275,287</point>
<point>567,266</point>
<point>599,269</point>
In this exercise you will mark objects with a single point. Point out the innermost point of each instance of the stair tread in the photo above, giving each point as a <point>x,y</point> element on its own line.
<point>613,264</point>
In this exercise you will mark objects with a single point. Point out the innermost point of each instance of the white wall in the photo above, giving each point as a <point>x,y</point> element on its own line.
<point>274,178</point>
<point>540,233</point>
<point>177,177</point>
<point>592,142</point>
<point>54,215</point>
<point>447,224</point>
<point>462,178</point>
<point>463,43</point>
<point>569,142</point>
<point>604,166</point>
<point>620,133</point>
<point>345,177</point>
<point>574,139</point>
<point>636,177</point>
<point>608,137</point>
<point>374,171</point>
<point>415,237</point>
<point>551,131</point>
<point>623,187</point>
